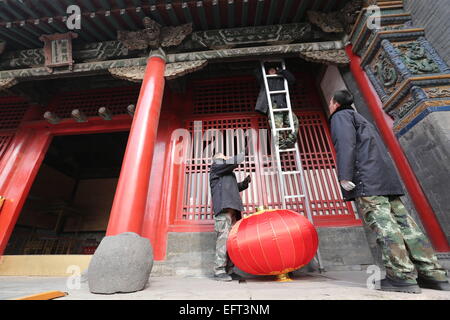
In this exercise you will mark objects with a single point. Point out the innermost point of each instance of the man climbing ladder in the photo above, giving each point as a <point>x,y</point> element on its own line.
<point>277,106</point>
<point>276,75</point>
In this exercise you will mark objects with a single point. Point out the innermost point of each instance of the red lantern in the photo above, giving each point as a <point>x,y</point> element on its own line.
<point>272,242</point>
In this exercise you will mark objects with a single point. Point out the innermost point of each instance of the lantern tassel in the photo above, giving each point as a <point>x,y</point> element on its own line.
<point>284,277</point>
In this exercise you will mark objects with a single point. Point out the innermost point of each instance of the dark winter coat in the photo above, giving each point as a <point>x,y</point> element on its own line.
<point>224,186</point>
<point>275,84</point>
<point>362,157</point>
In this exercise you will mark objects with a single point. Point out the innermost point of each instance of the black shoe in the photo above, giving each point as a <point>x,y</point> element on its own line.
<point>235,276</point>
<point>433,284</point>
<point>222,277</point>
<point>398,286</point>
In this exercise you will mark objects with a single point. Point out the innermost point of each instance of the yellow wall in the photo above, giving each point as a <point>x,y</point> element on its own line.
<point>43,265</point>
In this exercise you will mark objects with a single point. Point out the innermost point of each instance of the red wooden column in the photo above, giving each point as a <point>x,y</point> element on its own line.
<point>429,220</point>
<point>130,200</point>
<point>17,174</point>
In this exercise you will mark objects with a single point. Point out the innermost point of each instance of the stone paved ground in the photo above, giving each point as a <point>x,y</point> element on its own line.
<point>328,286</point>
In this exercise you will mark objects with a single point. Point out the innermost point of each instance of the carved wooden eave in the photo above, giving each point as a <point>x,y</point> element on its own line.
<point>173,70</point>
<point>132,43</point>
<point>178,69</point>
<point>154,35</point>
<point>330,57</point>
<point>337,21</point>
<point>328,22</point>
<point>133,74</point>
<point>250,53</point>
<point>7,83</point>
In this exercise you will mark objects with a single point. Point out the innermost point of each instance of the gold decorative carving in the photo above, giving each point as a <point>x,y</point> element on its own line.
<point>154,35</point>
<point>335,57</point>
<point>7,83</point>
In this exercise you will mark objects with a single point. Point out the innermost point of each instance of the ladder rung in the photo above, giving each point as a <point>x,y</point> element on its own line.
<point>280,110</point>
<point>296,196</point>
<point>274,75</point>
<point>291,172</point>
<point>278,92</point>
<point>287,150</point>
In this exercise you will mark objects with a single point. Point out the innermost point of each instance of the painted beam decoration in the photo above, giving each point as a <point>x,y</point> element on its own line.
<point>405,70</point>
<point>248,53</point>
<point>230,38</point>
<point>329,57</point>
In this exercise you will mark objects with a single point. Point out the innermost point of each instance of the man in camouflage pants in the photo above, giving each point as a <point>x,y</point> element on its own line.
<point>227,207</point>
<point>223,222</point>
<point>285,139</point>
<point>406,251</point>
<point>367,175</point>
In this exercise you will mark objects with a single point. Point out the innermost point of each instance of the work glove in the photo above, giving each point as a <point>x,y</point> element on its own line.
<point>347,185</point>
<point>248,179</point>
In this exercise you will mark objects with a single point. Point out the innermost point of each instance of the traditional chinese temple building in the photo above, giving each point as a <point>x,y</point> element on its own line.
<point>94,114</point>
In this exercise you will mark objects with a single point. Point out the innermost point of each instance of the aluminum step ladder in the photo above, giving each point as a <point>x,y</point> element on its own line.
<point>283,175</point>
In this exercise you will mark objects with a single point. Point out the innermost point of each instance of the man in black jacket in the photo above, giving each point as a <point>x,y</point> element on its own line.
<point>367,175</point>
<point>227,206</point>
<point>286,140</point>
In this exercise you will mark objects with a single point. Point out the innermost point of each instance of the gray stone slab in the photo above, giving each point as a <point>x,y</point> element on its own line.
<point>328,286</point>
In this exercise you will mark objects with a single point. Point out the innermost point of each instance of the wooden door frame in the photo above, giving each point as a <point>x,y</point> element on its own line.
<point>26,154</point>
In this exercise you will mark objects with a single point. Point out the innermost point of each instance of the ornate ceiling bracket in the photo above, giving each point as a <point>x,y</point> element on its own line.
<point>328,22</point>
<point>176,70</point>
<point>331,57</point>
<point>173,70</point>
<point>337,21</point>
<point>154,36</point>
<point>405,70</point>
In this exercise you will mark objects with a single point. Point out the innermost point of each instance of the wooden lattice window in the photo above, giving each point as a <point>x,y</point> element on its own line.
<point>238,95</point>
<point>227,105</point>
<point>197,194</point>
<point>12,111</point>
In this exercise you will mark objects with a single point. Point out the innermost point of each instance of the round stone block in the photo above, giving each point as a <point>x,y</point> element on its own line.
<point>121,264</point>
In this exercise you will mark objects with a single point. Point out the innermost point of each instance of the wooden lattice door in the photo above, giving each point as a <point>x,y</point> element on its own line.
<point>222,119</point>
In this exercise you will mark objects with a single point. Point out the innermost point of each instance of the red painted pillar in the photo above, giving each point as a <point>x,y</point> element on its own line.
<point>429,220</point>
<point>130,200</point>
<point>17,175</point>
